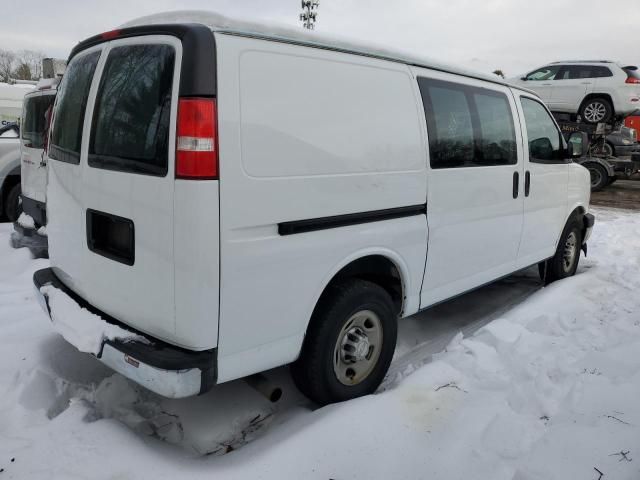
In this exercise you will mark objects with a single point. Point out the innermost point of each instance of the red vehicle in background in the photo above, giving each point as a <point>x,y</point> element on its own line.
<point>633,121</point>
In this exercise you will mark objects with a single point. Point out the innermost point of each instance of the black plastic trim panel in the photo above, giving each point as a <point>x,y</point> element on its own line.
<point>156,353</point>
<point>198,73</point>
<point>326,223</point>
<point>37,210</point>
<point>588,220</point>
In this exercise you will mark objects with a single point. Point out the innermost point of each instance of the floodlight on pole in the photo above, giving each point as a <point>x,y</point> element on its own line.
<point>309,13</point>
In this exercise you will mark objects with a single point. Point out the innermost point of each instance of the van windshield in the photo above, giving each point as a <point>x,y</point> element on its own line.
<point>130,128</point>
<point>35,121</point>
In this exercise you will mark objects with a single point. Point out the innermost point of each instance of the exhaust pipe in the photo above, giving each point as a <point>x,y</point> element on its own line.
<point>262,385</point>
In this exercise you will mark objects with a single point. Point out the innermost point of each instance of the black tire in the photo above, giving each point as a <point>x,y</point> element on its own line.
<point>609,149</point>
<point>559,266</point>
<point>599,176</point>
<point>13,207</point>
<point>314,373</point>
<point>596,110</point>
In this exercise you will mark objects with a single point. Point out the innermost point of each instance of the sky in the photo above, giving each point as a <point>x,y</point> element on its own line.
<point>515,36</point>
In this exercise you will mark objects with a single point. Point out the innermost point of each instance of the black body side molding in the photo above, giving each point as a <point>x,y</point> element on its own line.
<point>326,223</point>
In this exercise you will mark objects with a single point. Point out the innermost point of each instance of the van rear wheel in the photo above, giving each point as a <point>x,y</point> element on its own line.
<point>349,344</point>
<point>565,261</point>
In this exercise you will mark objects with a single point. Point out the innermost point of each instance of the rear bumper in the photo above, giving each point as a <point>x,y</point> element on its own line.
<point>162,368</point>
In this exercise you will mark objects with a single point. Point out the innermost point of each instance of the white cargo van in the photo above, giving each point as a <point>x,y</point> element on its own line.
<point>242,200</point>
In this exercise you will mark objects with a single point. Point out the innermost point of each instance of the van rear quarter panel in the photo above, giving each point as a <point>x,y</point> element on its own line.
<point>307,133</point>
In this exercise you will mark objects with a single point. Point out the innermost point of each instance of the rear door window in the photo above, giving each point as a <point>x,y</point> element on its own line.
<point>35,121</point>
<point>73,92</point>
<point>601,72</point>
<point>130,127</point>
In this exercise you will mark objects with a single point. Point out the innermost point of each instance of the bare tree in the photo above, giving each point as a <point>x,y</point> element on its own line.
<point>7,64</point>
<point>33,59</point>
<point>498,73</point>
<point>23,72</point>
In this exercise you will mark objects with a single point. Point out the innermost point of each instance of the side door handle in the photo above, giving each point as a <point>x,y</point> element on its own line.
<point>527,183</point>
<point>516,184</point>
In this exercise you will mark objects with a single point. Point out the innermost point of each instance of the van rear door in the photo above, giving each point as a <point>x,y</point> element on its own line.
<point>35,117</point>
<point>111,196</point>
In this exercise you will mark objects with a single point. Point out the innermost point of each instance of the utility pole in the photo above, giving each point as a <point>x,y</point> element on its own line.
<point>309,13</point>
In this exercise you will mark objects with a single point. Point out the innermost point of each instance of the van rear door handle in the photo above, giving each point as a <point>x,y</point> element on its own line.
<point>516,184</point>
<point>527,183</point>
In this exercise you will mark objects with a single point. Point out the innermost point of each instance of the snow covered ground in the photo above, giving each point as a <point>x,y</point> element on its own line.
<point>542,383</point>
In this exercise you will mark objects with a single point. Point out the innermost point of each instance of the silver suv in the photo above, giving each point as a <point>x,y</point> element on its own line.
<point>596,90</point>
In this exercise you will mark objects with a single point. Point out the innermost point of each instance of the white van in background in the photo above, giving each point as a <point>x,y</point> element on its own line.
<point>226,200</point>
<point>36,117</point>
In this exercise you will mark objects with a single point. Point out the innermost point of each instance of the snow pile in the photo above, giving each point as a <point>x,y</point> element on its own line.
<point>78,326</point>
<point>26,221</point>
<point>547,390</point>
<point>42,231</point>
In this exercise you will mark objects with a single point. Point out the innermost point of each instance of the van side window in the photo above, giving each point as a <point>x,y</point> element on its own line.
<point>498,135</point>
<point>66,136</point>
<point>545,140</point>
<point>130,127</point>
<point>468,126</point>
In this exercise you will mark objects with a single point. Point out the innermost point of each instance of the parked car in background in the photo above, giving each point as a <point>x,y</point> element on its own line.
<point>11,98</point>
<point>10,172</point>
<point>219,222</point>
<point>598,91</point>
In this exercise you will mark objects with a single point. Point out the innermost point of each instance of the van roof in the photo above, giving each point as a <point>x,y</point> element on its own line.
<point>223,24</point>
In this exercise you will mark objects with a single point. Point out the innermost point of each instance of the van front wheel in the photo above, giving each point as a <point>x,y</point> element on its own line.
<point>349,344</point>
<point>565,262</point>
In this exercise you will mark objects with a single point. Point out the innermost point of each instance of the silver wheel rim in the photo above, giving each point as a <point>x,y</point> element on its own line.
<point>570,250</point>
<point>357,348</point>
<point>595,112</point>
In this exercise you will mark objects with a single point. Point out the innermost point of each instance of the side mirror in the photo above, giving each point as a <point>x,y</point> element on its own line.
<point>578,145</point>
<point>524,79</point>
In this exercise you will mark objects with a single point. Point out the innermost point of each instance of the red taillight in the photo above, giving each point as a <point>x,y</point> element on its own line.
<point>632,80</point>
<point>110,35</point>
<point>196,143</point>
